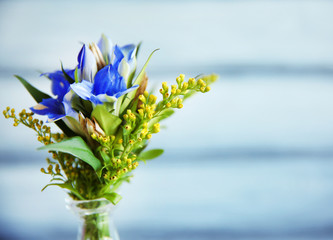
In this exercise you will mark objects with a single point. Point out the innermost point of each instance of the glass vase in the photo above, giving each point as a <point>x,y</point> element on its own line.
<point>96,221</point>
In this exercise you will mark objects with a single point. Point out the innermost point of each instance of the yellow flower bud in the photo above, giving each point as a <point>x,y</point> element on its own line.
<point>207,89</point>
<point>152,99</point>
<point>200,82</point>
<point>191,82</point>
<point>168,105</point>
<point>185,86</point>
<point>120,141</point>
<point>141,113</point>
<point>180,106</point>
<point>131,141</point>
<point>178,91</point>
<point>94,136</point>
<point>165,86</point>
<point>57,169</point>
<point>142,98</point>
<point>156,128</point>
<point>149,136</point>
<point>145,93</point>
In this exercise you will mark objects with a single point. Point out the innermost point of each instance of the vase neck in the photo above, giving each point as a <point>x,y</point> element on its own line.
<point>95,221</point>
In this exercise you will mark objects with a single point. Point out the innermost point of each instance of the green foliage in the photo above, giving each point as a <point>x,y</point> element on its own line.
<point>151,154</point>
<point>34,92</point>
<point>112,197</point>
<point>39,96</point>
<point>77,147</point>
<point>67,186</point>
<point>106,120</point>
<point>67,77</point>
<point>129,96</point>
<point>109,141</point>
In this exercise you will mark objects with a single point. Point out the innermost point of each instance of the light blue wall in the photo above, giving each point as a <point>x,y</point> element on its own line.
<point>252,159</point>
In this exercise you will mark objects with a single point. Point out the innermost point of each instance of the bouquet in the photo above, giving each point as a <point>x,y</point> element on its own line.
<point>106,116</point>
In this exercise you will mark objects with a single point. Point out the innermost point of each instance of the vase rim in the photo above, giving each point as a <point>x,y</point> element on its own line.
<point>70,200</point>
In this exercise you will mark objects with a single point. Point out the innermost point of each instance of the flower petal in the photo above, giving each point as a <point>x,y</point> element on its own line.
<point>117,95</point>
<point>67,101</point>
<point>105,45</point>
<point>83,89</point>
<point>86,64</point>
<point>129,51</point>
<point>50,107</point>
<point>117,56</point>
<point>105,80</point>
<point>124,68</point>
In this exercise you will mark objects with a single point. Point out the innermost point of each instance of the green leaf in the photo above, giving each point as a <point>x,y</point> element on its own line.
<point>129,96</point>
<point>105,157</point>
<point>138,49</point>
<point>78,148</point>
<point>67,77</point>
<point>131,76</point>
<point>34,92</point>
<point>151,154</point>
<point>108,122</point>
<point>67,186</point>
<point>81,105</point>
<point>161,116</point>
<point>112,197</point>
<point>76,75</point>
<point>57,179</point>
<point>39,96</point>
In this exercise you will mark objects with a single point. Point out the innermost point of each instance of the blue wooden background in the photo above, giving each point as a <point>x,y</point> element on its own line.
<point>253,159</point>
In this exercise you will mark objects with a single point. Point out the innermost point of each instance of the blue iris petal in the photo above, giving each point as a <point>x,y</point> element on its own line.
<point>126,91</point>
<point>83,89</point>
<point>50,107</point>
<point>108,85</point>
<point>60,85</point>
<point>128,51</point>
<point>105,45</point>
<point>86,64</point>
<point>118,56</point>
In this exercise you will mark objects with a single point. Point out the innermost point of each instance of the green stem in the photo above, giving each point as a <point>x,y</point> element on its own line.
<point>95,227</point>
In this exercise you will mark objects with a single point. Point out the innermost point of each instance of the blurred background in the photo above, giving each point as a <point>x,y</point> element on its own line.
<point>252,159</point>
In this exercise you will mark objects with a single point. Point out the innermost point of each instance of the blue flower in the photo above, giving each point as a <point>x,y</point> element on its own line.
<point>87,66</point>
<point>108,85</point>
<point>122,58</point>
<point>59,107</point>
